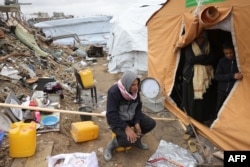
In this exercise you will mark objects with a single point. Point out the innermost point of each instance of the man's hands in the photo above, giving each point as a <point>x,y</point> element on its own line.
<point>133,134</point>
<point>138,129</point>
<point>238,76</point>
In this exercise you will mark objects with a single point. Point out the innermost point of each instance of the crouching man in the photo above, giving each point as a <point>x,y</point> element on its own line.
<point>124,115</point>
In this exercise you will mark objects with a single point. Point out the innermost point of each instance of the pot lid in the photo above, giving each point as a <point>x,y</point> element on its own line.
<point>150,88</point>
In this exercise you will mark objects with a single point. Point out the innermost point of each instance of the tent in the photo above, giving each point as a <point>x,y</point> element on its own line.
<point>174,26</point>
<point>127,44</point>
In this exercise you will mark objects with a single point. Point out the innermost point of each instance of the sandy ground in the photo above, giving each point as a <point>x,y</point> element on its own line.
<point>170,131</point>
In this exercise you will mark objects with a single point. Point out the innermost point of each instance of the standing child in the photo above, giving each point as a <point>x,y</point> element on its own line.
<point>226,74</point>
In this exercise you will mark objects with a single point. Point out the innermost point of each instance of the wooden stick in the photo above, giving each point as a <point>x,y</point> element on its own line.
<point>66,111</point>
<point>164,119</point>
<point>12,54</point>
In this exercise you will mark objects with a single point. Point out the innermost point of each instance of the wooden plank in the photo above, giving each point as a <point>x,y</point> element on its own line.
<point>219,154</point>
<point>9,8</point>
<point>19,162</point>
<point>43,150</point>
<point>39,159</point>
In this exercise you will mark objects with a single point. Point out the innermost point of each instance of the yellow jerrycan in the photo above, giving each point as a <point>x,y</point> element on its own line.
<point>22,139</point>
<point>87,78</point>
<point>84,131</point>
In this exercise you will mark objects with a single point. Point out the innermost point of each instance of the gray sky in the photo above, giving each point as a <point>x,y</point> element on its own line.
<point>77,8</point>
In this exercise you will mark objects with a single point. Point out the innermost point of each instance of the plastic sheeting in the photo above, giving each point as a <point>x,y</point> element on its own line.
<point>90,30</point>
<point>171,155</point>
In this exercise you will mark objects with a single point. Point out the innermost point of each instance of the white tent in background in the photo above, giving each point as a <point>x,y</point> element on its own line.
<point>127,43</point>
<point>89,30</point>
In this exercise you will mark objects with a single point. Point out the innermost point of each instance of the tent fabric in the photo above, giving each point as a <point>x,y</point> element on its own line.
<point>193,26</point>
<point>127,44</point>
<point>230,130</point>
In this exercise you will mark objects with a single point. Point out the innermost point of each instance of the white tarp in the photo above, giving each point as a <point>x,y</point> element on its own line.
<point>127,43</point>
<point>89,29</point>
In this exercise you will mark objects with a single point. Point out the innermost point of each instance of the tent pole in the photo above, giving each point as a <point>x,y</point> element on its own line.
<point>69,112</point>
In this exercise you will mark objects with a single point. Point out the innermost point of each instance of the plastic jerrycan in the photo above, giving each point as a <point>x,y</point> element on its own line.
<point>22,139</point>
<point>84,131</point>
<point>87,78</point>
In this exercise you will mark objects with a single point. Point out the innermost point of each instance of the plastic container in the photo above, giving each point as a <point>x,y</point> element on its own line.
<point>84,131</point>
<point>1,136</point>
<point>22,139</point>
<point>86,109</point>
<point>50,120</point>
<point>38,116</point>
<point>87,78</point>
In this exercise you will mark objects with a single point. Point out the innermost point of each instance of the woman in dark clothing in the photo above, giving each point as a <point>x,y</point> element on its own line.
<point>226,74</point>
<point>197,78</point>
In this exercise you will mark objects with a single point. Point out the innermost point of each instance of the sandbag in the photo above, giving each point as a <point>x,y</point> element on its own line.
<point>73,159</point>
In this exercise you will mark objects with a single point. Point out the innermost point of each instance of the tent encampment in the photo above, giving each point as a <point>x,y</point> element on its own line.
<point>174,26</point>
<point>127,43</point>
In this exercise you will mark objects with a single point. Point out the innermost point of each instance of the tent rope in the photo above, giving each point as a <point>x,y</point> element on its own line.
<point>197,9</point>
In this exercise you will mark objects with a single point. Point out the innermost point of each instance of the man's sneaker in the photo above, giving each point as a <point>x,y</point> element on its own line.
<point>141,145</point>
<point>108,151</point>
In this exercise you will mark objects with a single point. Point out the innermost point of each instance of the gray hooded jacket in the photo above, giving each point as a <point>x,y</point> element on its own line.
<point>122,112</point>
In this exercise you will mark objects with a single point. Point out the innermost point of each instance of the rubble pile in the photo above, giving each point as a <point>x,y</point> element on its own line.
<point>20,66</point>
<point>20,63</point>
